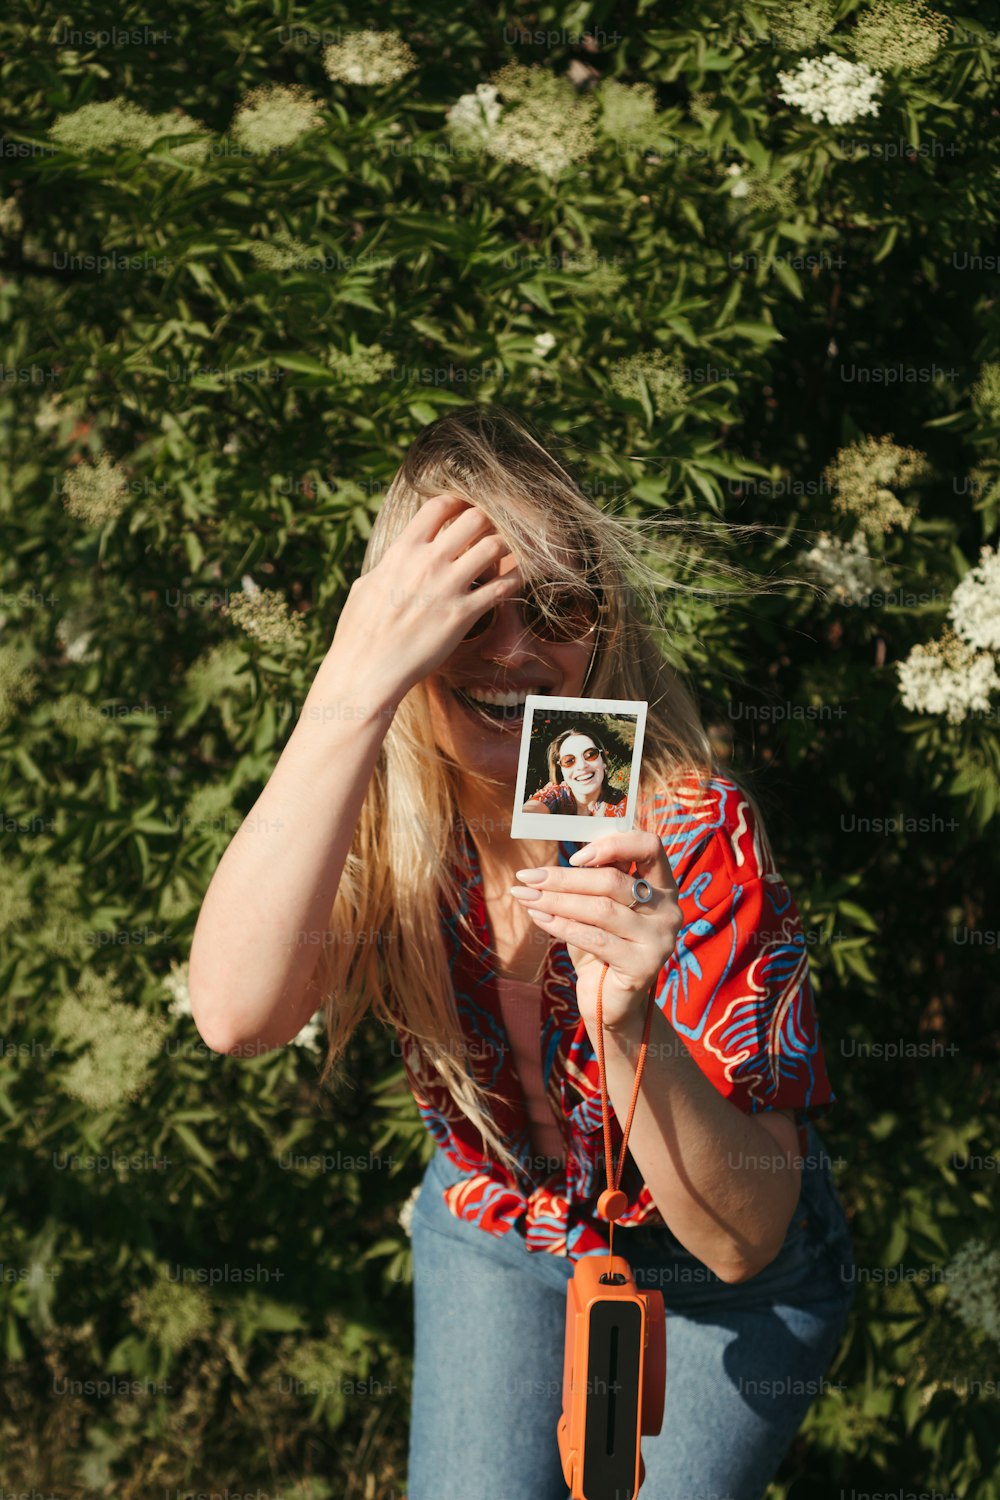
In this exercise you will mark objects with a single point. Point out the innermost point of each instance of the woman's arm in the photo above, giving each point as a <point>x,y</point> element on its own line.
<point>264,918</point>
<point>535,807</point>
<point>265,915</point>
<point>726,1182</point>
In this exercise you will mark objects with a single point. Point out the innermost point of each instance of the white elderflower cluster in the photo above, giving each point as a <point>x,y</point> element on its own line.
<point>18,683</point>
<point>898,34</point>
<point>740,185</point>
<point>171,1312</point>
<point>803,24</point>
<point>751,192</point>
<point>471,119</point>
<point>273,116</point>
<point>119,1043</point>
<point>53,413</point>
<point>118,122</point>
<point>176,986</point>
<point>846,569</point>
<point>544,123</point>
<point>370,58</point>
<point>628,114</point>
<point>861,476</point>
<point>947,677</point>
<point>311,1034</point>
<point>831,88</point>
<point>663,374</point>
<point>973,1278</point>
<point>405,1215</point>
<point>283,253</point>
<point>264,615</point>
<point>986,393</point>
<point>365,365</point>
<point>975,603</point>
<point>96,492</point>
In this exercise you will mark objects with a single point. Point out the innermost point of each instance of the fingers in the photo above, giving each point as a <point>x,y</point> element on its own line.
<point>456,533</point>
<point>481,557</point>
<point>602,912</point>
<point>641,848</point>
<point>425,525</point>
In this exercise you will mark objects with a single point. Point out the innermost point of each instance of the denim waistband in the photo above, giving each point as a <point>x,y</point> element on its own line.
<point>818,1218</point>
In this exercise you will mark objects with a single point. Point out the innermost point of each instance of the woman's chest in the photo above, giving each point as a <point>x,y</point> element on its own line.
<point>518,945</point>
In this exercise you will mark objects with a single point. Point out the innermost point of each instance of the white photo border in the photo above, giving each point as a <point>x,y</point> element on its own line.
<point>569,828</point>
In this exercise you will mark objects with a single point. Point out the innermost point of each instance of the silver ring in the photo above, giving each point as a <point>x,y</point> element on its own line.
<point>642,892</point>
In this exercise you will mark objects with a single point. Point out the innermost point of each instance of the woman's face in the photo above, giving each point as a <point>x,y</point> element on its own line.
<point>585,777</point>
<point>506,660</point>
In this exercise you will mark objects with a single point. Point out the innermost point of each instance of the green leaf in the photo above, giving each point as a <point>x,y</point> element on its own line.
<point>193,1144</point>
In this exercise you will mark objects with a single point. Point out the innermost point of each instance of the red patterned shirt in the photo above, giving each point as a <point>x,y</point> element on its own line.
<point>558,798</point>
<point>736,988</point>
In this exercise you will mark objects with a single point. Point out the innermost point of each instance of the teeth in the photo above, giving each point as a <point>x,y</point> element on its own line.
<point>497,700</point>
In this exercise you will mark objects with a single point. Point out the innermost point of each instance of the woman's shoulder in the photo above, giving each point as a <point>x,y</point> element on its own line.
<point>710,820</point>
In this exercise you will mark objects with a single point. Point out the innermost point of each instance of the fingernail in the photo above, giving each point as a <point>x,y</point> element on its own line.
<point>582,856</point>
<point>531,877</point>
<point>523,895</point>
<point>540,916</point>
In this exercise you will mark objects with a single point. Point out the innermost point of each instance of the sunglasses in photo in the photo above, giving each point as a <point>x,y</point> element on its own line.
<point>591,754</point>
<point>572,615</point>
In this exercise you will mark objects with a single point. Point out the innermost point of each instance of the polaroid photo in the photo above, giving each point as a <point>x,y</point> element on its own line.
<point>578,769</point>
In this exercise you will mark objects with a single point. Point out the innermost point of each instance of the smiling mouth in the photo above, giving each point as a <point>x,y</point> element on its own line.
<point>496,715</point>
<point>586,776</point>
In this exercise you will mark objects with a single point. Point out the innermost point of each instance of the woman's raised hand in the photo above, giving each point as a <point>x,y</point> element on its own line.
<point>405,616</point>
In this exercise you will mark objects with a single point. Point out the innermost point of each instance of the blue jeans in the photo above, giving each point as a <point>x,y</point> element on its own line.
<point>744,1361</point>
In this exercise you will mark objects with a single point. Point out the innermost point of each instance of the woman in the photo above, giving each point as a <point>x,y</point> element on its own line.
<point>582,792</point>
<point>384,828</point>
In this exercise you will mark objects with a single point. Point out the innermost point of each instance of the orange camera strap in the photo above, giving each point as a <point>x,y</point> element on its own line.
<point>612,1202</point>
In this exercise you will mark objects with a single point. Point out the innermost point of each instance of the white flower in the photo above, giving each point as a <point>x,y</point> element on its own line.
<point>898,34</point>
<point>364,364</point>
<point>803,23</point>
<point>406,1212</point>
<point>176,985</point>
<point>947,677</point>
<point>546,125</point>
<point>249,587</point>
<point>740,187</point>
<point>986,393</point>
<point>472,117</point>
<point>863,476</point>
<point>628,114</point>
<point>273,116</point>
<point>662,373</point>
<point>831,88</point>
<point>312,1033</point>
<point>543,343</point>
<point>96,492</point>
<point>370,58</point>
<point>847,569</point>
<point>973,1278</point>
<point>975,604</point>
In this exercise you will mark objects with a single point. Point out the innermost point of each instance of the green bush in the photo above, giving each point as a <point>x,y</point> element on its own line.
<point>248,251</point>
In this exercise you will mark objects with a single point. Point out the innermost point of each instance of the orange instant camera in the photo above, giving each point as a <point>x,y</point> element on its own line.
<point>614,1379</point>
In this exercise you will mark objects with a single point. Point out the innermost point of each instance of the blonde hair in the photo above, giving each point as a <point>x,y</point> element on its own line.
<point>409,834</point>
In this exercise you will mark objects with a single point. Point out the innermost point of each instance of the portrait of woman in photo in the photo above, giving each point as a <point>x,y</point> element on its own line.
<point>577,784</point>
<point>490,574</point>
